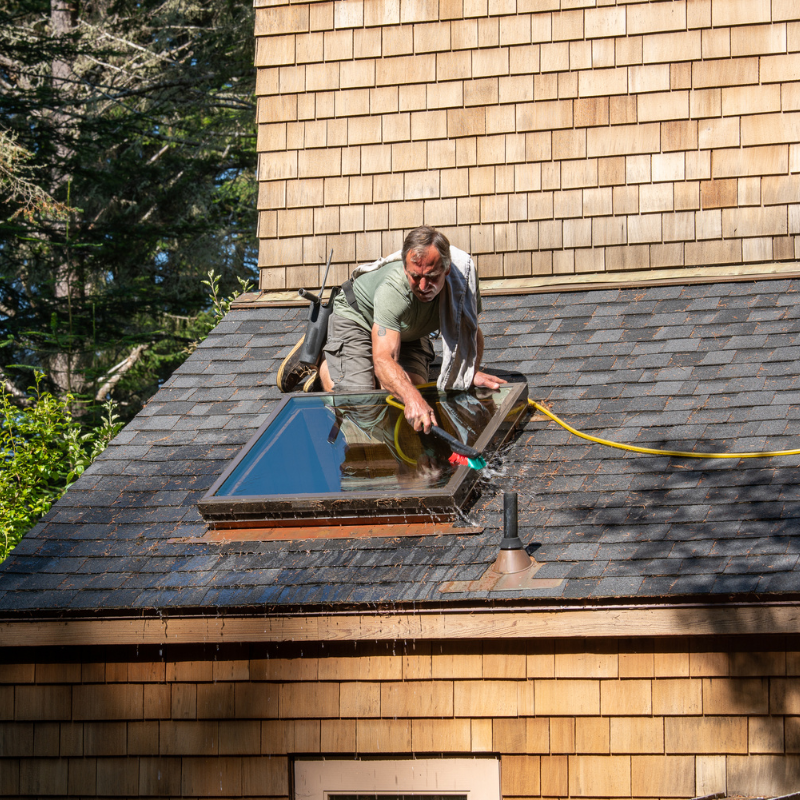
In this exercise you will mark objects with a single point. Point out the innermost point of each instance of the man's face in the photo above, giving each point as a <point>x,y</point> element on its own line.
<point>425,274</point>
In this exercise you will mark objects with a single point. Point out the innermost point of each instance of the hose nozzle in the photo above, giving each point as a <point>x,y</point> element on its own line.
<point>463,454</point>
<point>463,461</point>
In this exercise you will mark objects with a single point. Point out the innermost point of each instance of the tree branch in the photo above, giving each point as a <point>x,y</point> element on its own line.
<point>116,375</point>
<point>20,398</point>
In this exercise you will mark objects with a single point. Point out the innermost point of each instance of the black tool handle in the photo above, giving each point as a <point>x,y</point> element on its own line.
<point>310,296</point>
<point>317,328</point>
<point>455,445</point>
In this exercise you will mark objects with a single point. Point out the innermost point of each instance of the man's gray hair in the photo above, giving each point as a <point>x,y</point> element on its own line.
<point>420,239</point>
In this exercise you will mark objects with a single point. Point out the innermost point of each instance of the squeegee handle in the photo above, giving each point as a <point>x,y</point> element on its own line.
<point>455,445</point>
<point>325,276</point>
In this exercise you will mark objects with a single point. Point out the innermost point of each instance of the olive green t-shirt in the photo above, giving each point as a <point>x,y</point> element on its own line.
<point>385,298</point>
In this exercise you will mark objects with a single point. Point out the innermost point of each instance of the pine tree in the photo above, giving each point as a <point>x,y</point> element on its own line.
<point>138,122</point>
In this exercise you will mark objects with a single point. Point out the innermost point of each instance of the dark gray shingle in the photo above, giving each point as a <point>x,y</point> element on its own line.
<point>703,367</point>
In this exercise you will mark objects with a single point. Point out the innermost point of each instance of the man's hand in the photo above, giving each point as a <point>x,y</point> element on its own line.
<point>419,414</point>
<point>486,380</point>
<point>483,378</point>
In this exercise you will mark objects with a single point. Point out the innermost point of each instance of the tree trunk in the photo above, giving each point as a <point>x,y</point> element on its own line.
<point>62,21</point>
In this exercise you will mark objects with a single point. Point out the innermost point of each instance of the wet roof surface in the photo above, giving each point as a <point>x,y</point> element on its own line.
<point>707,367</point>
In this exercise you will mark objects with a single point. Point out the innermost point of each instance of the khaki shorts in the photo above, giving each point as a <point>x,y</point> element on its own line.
<point>348,352</point>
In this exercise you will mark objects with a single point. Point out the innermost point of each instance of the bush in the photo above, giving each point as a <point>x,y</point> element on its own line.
<point>43,452</point>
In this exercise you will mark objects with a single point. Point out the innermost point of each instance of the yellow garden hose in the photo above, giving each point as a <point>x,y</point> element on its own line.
<point>392,402</point>
<point>400,421</point>
<point>597,440</point>
<point>652,451</point>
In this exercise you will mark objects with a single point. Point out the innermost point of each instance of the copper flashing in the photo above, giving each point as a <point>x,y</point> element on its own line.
<point>510,562</point>
<point>494,581</point>
<point>513,569</point>
<point>375,530</point>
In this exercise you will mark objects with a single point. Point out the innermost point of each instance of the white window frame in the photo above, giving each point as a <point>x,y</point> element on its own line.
<point>477,778</point>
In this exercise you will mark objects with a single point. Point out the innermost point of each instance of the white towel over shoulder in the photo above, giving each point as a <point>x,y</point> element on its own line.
<point>458,318</point>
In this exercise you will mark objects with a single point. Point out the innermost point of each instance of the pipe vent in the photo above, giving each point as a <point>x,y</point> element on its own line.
<point>512,557</point>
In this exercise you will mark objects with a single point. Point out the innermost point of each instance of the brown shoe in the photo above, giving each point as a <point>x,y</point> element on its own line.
<point>312,382</point>
<point>291,372</point>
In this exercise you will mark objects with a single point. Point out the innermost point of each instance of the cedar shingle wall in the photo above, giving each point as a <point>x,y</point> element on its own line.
<point>544,136</point>
<point>615,720</point>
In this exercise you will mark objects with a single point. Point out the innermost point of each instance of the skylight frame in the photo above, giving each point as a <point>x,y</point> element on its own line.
<point>436,505</point>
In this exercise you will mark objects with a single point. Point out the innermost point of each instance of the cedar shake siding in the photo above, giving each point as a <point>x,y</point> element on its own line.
<point>568,718</point>
<point>546,137</point>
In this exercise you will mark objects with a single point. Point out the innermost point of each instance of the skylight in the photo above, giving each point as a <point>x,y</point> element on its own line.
<point>339,457</point>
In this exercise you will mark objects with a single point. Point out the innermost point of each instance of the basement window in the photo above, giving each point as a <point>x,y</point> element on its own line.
<point>400,779</point>
<point>353,457</point>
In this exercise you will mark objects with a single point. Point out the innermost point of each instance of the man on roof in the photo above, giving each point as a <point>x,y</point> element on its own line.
<point>382,321</point>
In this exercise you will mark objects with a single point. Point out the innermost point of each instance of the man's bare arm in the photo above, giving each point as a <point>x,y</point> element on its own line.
<point>393,378</point>
<point>483,378</point>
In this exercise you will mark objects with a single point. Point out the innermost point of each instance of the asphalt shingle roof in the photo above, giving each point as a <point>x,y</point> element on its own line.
<point>710,367</point>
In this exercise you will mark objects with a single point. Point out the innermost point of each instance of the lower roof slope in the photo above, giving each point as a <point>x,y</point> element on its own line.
<point>709,367</point>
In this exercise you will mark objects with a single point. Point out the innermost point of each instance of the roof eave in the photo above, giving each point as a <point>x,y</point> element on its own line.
<point>476,620</point>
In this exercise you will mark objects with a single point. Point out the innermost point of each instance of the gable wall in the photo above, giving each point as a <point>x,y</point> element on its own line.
<point>543,136</point>
<point>608,719</point>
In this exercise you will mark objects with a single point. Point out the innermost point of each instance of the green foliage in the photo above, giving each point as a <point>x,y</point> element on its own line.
<point>43,451</point>
<point>220,305</point>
